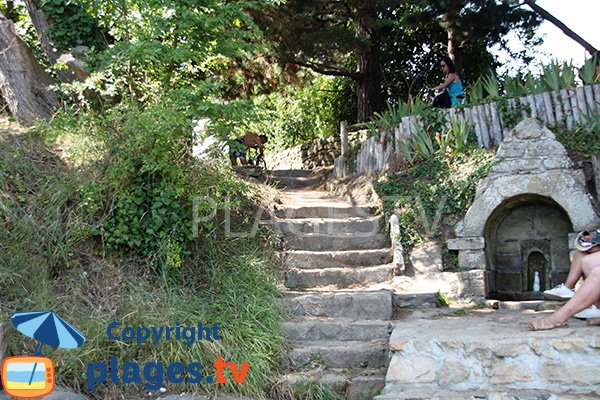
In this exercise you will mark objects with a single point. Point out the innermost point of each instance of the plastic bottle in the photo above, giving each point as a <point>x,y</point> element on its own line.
<point>536,282</point>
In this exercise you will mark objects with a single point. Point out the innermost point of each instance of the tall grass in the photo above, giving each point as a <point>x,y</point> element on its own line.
<point>49,260</point>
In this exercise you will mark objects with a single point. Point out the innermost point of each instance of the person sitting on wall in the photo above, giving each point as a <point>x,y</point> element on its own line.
<point>582,303</point>
<point>240,146</point>
<point>453,94</point>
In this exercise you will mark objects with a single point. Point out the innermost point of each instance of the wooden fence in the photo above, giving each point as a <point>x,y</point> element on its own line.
<point>566,108</point>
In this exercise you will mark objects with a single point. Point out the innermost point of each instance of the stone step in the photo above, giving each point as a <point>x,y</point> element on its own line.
<point>355,305</point>
<point>329,226</point>
<point>284,182</point>
<point>291,173</point>
<point>314,242</point>
<point>320,211</point>
<point>496,394</point>
<point>336,354</point>
<point>324,259</point>
<point>319,329</point>
<point>360,385</point>
<point>416,300</point>
<point>338,277</point>
<point>491,351</point>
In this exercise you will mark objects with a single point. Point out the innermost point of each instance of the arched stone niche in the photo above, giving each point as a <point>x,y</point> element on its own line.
<point>532,171</point>
<point>526,234</point>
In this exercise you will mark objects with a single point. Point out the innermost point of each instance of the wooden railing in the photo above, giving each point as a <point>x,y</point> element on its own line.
<point>566,108</point>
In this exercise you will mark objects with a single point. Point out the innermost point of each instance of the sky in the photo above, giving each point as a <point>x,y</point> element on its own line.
<point>581,16</point>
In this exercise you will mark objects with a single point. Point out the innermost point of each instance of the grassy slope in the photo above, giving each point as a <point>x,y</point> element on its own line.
<point>48,260</point>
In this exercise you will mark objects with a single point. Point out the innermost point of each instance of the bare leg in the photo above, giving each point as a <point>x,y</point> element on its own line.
<point>575,271</point>
<point>588,294</point>
<point>233,160</point>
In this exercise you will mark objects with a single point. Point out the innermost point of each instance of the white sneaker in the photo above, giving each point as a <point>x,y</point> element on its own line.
<point>559,292</point>
<point>590,312</point>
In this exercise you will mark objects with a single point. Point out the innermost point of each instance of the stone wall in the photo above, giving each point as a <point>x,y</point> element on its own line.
<point>319,153</point>
<point>532,171</point>
<point>490,352</point>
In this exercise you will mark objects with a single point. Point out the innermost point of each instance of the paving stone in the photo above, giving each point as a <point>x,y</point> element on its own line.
<point>359,354</point>
<point>328,226</point>
<point>341,329</point>
<point>352,305</point>
<point>339,277</point>
<point>346,258</point>
<point>314,242</point>
<point>491,351</point>
<point>57,394</point>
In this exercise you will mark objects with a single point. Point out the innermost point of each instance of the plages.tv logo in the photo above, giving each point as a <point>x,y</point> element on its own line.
<point>30,377</point>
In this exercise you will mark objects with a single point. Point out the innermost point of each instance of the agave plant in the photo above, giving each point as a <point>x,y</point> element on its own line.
<point>514,87</point>
<point>491,86</point>
<point>422,142</point>
<point>388,120</point>
<point>590,71</point>
<point>459,131</point>
<point>550,78</point>
<point>568,76</point>
<point>476,92</point>
<point>532,84</point>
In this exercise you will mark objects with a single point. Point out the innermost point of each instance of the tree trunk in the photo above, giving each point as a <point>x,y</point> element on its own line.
<point>454,50</point>
<point>23,82</point>
<point>368,81</point>
<point>40,23</point>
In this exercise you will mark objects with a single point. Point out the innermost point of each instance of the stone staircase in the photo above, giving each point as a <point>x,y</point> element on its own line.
<point>343,301</point>
<point>338,324</point>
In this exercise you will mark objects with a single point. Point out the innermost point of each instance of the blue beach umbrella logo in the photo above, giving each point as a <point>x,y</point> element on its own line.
<point>33,376</point>
<point>47,328</point>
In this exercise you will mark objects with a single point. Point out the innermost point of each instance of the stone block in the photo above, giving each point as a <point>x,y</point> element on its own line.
<point>577,344</point>
<point>471,259</point>
<point>365,387</point>
<point>427,258</point>
<point>509,282</point>
<point>508,262</point>
<point>505,372</point>
<point>416,300</point>
<point>583,374</point>
<point>412,369</point>
<point>467,243</point>
<point>454,372</point>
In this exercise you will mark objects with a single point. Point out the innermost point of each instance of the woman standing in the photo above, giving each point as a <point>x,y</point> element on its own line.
<point>452,85</point>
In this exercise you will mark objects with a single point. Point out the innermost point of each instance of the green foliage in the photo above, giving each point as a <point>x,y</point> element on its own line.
<point>71,25</point>
<point>146,192</point>
<point>442,186</point>
<point>590,71</point>
<point>299,114</point>
<point>511,116</point>
<point>388,120</point>
<point>48,213</point>
<point>514,86</point>
<point>311,390</point>
<point>584,138</point>
<point>476,92</point>
<point>442,299</point>
<point>491,86</point>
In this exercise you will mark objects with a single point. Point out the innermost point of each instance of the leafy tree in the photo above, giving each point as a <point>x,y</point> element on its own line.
<point>340,38</point>
<point>391,49</point>
<point>476,25</point>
